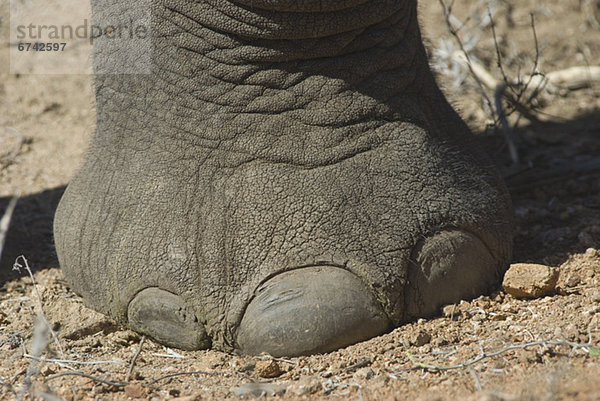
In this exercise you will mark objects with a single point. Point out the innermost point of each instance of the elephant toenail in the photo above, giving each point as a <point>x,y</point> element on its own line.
<point>166,318</point>
<point>310,310</point>
<point>449,266</point>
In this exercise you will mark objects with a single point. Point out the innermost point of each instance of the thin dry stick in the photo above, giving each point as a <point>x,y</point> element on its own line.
<point>135,357</point>
<point>197,372</point>
<point>535,69</point>
<point>5,221</point>
<point>483,355</point>
<point>17,266</point>
<point>453,32</point>
<point>96,379</point>
<point>38,345</point>
<point>69,361</point>
<point>499,93</point>
<point>475,379</point>
<point>590,8</point>
<point>508,132</point>
<point>480,77</point>
<point>497,48</point>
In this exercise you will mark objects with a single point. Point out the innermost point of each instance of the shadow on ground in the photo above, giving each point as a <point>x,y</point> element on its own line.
<point>555,188</point>
<point>30,232</point>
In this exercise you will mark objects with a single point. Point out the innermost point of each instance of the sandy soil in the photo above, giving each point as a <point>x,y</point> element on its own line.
<point>495,347</point>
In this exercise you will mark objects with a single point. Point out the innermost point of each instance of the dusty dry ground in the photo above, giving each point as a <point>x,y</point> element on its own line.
<point>556,195</point>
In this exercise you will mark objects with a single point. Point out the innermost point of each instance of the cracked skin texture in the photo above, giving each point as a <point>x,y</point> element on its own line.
<point>273,137</point>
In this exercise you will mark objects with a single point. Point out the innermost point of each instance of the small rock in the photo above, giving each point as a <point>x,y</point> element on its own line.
<point>595,297</point>
<point>440,342</point>
<point>571,332</point>
<point>497,317</point>
<point>557,332</point>
<point>187,398</point>
<point>135,390</point>
<point>479,317</point>
<point>124,337</point>
<point>509,308</point>
<point>591,253</point>
<point>364,373</point>
<point>47,370</point>
<point>421,338</point>
<point>451,312</point>
<point>528,280</point>
<point>573,281</point>
<point>305,386</point>
<point>247,367</point>
<point>268,369</point>
<point>260,389</point>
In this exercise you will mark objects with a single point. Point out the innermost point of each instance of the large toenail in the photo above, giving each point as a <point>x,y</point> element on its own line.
<point>166,318</point>
<point>449,266</point>
<point>310,310</point>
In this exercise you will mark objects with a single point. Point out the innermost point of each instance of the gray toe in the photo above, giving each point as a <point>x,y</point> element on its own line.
<point>449,266</point>
<point>310,310</point>
<point>166,318</point>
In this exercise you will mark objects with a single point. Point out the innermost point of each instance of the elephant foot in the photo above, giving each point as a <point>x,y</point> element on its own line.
<point>310,310</point>
<point>166,318</point>
<point>448,266</point>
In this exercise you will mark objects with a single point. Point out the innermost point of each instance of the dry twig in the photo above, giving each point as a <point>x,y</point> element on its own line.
<point>197,372</point>
<point>17,266</point>
<point>81,374</point>
<point>589,348</point>
<point>135,357</point>
<point>70,361</point>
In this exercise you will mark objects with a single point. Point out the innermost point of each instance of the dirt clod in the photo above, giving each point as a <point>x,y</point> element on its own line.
<point>135,390</point>
<point>529,280</point>
<point>421,338</point>
<point>268,369</point>
<point>305,386</point>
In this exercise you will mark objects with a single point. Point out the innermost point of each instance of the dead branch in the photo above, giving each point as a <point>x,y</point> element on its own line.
<point>484,355</point>
<point>17,266</point>
<point>465,54</point>
<point>81,374</point>
<point>135,357</point>
<point>70,361</point>
<point>197,372</point>
<point>590,10</point>
<point>571,78</point>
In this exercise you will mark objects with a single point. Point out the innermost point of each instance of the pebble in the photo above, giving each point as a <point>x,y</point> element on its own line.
<point>509,308</point>
<point>498,317</point>
<point>591,253</point>
<point>305,386</point>
<point>450,311</point>
<point>47,370</point>
<point>364,373</point>
<point>421,338</point>
<point>528,280</point>
<point>268,369</point>
<point>255,390</point>
<point>573,281</point>
<point>135,390</point>
<point>195,397</point>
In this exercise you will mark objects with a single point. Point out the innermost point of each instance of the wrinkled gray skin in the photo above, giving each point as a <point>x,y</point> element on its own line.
<point>289,179</point>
